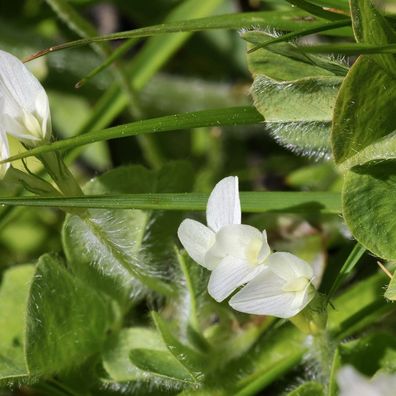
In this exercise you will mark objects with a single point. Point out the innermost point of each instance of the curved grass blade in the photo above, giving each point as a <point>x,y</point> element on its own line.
<point>206,118</point>
<point>305,32</point>
<point>333,4</point>
<point>282,20</point>
<point>350,263</point>
<point>348,49</point>
<point>252,202</point>
<point>117,53</point>
<point>316,10</point>
<point>150,59</point>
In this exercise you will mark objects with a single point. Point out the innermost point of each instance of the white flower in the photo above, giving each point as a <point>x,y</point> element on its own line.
<point>234,252</point>
<point>24,108</point>
<point>278,284</point>
<point>282,289</point>
<point>4,153</point>
<point>352,383</point>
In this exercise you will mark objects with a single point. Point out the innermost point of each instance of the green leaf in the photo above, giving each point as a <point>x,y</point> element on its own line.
<point>390,292</point>
<point>121,250</point>
<point>196,287</point>
<point>161,363</point>
<point>350,263</point>
<point>14,293</point>
<point>63,308</point>
<point>298,113</point>
<point>370,353</point>
<point>116,359</point>
<point>307,99</point>
<point>253,202</point>
<point>368,206</point>
<point>125,360</point>
<point>216,117</point>
<point>356,126</point>
<point>282,61</point>
<point>370,27</point>
<point>308,389</point>
<point>194,362</point>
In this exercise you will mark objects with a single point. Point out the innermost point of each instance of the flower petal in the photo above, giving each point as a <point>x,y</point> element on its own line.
<point>224,207</point>
<point>264,296</point>
<point>237,240</point>
<point>265,250</point>
<point>4,153</point>
<point>22,96</point>
<point>229,274</point>
<point>196,239</point>
<point>288,266</point>
<point>352,383</point>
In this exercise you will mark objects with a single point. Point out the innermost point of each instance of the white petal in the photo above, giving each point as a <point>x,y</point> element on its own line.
<point>4,153</point>
<point>288,266</point>
<point>237,240</point>
<point>22,94</point>
<point>196,239</point>
<point>318,266</point>
<point>229,274</point>
<point>352,383</point>
<point>264,296</point>
<point>265,248</point>
<point>223,206</point>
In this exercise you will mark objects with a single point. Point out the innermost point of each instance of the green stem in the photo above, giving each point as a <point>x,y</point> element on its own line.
<point>324,353</point>
<point>30,182</point>
<point>60,173</point>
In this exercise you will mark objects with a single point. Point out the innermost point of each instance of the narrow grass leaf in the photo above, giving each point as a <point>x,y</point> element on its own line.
<point>217,117</point>
<point>253,202</point>
<point>350,263</point>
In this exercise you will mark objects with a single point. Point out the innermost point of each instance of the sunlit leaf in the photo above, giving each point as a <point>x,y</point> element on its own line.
<point>358,133</point>
<point>62,307</point>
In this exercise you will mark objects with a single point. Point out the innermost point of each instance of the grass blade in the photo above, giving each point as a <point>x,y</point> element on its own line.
<point>316,10</point>
<point>205,118</point>
<point>349,49</point>
<point>350,263</point>
<point>253,202</point>
<point>282,20</point>
<point>305,32</point>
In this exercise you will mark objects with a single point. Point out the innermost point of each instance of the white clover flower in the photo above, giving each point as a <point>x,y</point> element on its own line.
<point>282,289</point>
<point>4,153</point>
<point>352,383</point>
<point>278,284</point>
<point>234,252</point>
<point>24,108</point>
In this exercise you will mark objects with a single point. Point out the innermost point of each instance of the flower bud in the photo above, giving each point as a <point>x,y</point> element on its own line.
<point>24,108</point>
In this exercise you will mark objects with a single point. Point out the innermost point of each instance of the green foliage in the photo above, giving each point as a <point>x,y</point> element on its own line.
<point>308,389</point>
<point>113,246</point>
<point>108,303</point>
<point>13,296</point>
<point>357,135</point>
<point>62,307</point>
<point>295,94</point>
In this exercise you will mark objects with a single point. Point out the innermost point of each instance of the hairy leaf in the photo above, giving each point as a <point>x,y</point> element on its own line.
<point>364,115</point>
<point>67,321</point>
<point>121,250</point>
